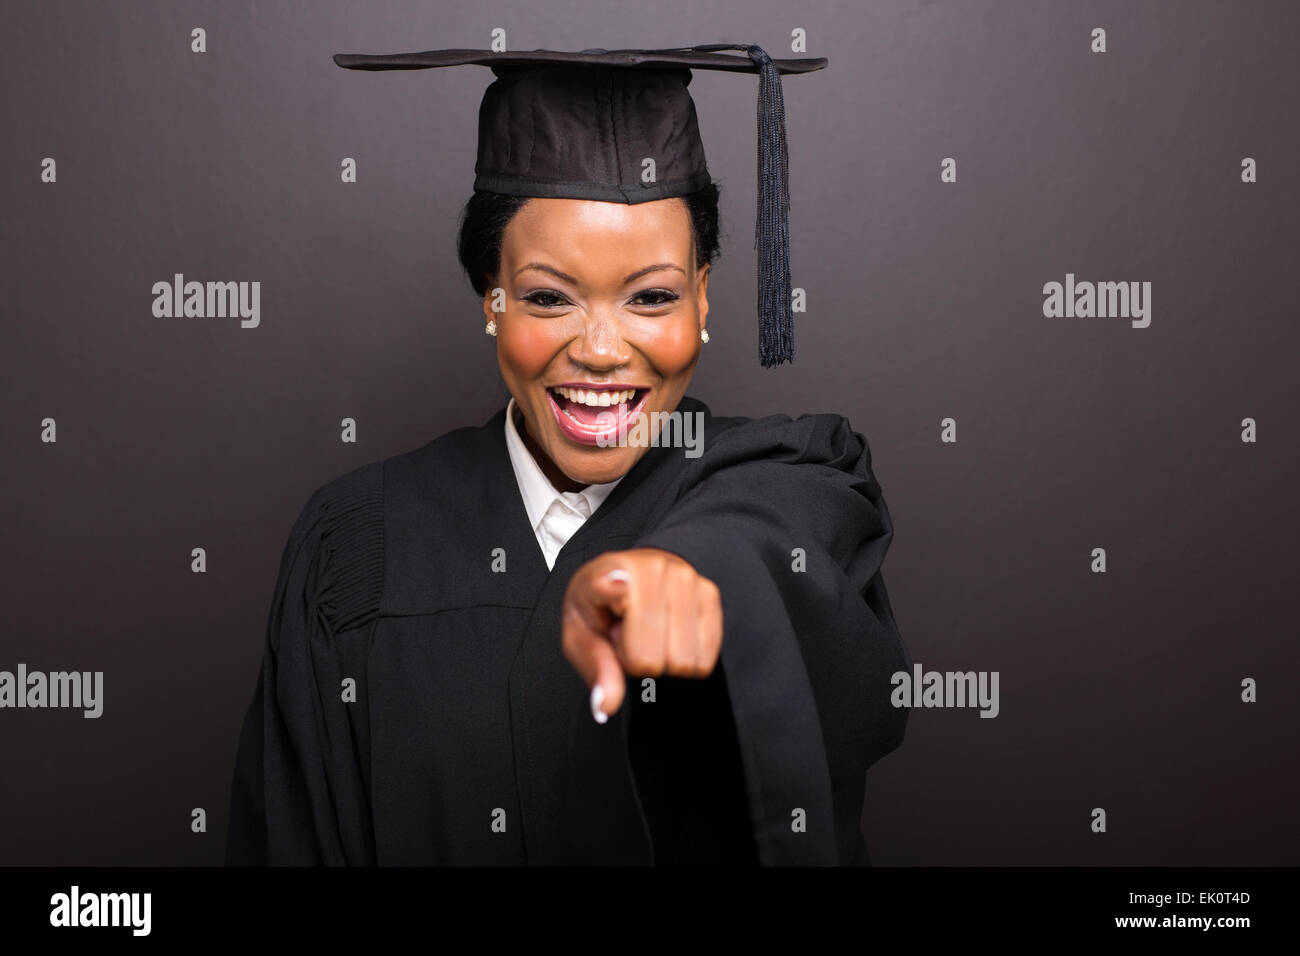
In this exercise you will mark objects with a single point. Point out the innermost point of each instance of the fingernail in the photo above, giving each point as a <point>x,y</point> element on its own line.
<point>618,574</point>
<point>598,698</point>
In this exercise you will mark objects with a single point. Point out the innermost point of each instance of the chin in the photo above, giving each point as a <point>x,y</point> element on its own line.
<point>598,467</point>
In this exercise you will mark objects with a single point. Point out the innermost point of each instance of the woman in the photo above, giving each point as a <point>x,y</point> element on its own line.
<point>606,626</point>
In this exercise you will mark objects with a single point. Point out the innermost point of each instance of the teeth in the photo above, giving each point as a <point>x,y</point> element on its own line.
<point>601,399</point>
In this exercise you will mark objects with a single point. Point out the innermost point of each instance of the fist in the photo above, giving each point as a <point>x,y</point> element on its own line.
<point>644,613</point>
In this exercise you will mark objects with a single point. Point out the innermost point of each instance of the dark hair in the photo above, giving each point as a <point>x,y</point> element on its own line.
<point>486,215</point>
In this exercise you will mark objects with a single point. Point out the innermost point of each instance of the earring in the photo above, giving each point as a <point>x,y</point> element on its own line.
<point>491,327</point>
<point>704,335</point>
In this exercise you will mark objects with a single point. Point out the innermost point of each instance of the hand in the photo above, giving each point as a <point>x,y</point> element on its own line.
<point>645,612</point>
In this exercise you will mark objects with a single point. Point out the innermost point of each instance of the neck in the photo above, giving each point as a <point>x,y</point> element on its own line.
<point>557,478</point>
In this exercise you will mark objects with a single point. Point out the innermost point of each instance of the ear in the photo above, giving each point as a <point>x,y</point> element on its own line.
<point>702,293</point>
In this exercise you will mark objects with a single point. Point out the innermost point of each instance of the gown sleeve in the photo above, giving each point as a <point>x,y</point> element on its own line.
<point>301,782</point>
<point>787,518</point>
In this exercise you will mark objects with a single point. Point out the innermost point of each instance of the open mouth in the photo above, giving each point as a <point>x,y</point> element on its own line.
<point>594,415</point>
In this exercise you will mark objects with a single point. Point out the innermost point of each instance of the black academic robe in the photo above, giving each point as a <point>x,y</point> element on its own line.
<point>414,705</point>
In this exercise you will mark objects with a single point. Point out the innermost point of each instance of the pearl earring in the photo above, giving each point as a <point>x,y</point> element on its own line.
<point>491,327</point>
<point>704,335</point>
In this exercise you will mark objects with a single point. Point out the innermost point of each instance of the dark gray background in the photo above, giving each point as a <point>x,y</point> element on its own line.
<point>1118,690</point>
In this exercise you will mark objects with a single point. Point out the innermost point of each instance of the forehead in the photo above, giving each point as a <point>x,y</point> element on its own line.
<point>583,228</point>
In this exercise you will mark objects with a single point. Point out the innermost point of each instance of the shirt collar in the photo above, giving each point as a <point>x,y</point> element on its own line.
<point>535,488</point>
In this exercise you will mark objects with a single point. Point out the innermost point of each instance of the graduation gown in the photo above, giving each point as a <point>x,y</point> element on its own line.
<point>414,705</point>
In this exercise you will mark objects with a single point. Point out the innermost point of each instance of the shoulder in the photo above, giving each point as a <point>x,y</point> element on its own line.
<point>456,451</point>
<point>353,498</point>
<point>334,557</point>
<point>338,546</point>
<point>358,494</point>
<point>822,437</point>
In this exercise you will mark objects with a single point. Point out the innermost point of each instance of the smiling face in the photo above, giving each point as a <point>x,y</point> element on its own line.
<point>603,308</point>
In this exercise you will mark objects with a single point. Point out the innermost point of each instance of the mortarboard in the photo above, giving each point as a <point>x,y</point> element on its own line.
<point>580,126</point>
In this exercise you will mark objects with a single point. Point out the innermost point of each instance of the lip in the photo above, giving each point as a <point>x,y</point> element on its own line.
<point>598,386</point>
<point>604,434</point>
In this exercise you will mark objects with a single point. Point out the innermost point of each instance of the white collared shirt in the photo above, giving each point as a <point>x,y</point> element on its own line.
<point>554,515</point>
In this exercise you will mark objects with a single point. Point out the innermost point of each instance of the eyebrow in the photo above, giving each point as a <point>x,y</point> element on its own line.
<point>657,267</point>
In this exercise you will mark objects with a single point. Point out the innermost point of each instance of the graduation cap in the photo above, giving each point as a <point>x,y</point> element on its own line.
<point>580,125</point>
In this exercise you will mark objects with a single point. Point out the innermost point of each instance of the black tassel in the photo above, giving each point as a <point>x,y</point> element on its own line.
<point>772,229</point>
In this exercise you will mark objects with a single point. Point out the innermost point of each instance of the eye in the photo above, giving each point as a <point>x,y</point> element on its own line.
<point>546,299</point>
<point>653,297</point>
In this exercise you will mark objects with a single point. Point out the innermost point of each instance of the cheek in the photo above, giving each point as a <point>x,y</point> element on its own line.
<point>527,347</point>
<point>674,347</point>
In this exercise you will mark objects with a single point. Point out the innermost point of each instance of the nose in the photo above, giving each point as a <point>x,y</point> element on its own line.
<point>600,345</point>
